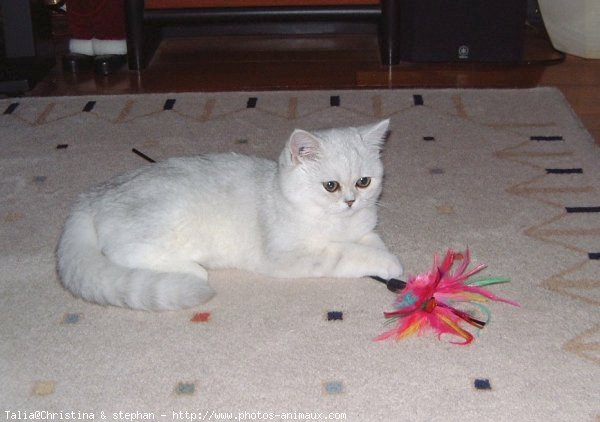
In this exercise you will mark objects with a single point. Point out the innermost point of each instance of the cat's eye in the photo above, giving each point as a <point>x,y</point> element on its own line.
<point>363,182</point>
<point>331,186</point>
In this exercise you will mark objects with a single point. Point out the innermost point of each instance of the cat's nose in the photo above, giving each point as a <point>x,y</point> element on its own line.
<point>350,202</point>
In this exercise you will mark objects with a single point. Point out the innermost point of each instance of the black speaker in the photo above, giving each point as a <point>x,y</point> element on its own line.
<point>26,46</point>
<point>462,30</point>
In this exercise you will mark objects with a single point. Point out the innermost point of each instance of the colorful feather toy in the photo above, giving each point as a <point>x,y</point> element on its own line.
<point>428,300</point>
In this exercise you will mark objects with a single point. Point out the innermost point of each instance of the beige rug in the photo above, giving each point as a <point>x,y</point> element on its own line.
<point>510,173</point>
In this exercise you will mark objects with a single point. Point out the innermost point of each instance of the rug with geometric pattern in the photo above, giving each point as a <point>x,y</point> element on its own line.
<point>512,174</point>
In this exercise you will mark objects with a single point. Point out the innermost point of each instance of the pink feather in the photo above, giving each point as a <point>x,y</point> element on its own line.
<point>426,301</point>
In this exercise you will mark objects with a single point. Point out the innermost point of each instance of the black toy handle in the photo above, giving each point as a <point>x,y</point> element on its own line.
<point>393,284</point>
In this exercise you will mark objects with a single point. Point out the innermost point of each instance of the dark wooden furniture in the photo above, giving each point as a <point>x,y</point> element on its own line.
<point>143,13</point>
<point>26,43</point>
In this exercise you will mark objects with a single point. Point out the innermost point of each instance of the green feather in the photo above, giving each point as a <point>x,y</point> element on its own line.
<point>479,282</point>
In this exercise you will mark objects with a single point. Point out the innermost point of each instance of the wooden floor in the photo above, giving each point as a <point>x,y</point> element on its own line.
<point>342,61</point>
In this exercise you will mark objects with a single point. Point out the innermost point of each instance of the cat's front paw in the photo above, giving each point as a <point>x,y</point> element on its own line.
<point>388,266</point>
<point>362,261</point>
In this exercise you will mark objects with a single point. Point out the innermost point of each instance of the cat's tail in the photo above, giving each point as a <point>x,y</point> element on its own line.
<point>88,273</point>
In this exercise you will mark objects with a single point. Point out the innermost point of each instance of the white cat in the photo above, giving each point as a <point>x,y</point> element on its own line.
<point>145,240</point>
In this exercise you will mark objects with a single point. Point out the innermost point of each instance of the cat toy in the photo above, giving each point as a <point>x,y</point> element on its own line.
<point>430,301</point>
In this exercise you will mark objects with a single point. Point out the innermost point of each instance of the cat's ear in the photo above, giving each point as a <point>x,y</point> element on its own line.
<point>303,146</point>
<point>375,134</point>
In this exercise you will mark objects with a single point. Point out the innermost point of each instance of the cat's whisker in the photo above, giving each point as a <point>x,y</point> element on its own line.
<point>380,204</point>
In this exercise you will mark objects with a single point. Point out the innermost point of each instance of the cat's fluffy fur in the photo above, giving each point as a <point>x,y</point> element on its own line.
<point>146,239</point>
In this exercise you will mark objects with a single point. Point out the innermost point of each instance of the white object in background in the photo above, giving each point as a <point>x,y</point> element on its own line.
<point>573,26</point>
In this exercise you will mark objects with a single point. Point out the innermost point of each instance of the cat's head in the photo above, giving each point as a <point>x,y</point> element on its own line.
<point>334,171</point>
